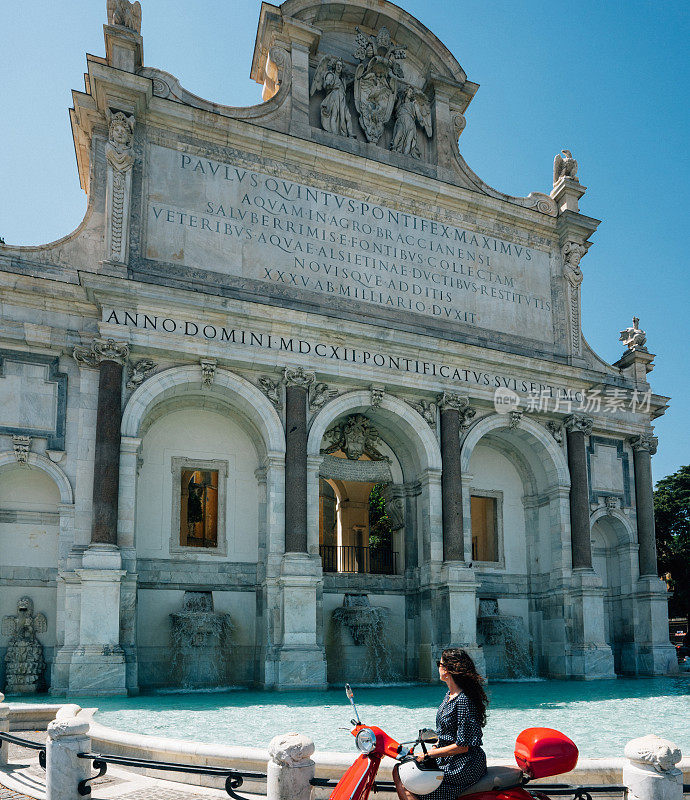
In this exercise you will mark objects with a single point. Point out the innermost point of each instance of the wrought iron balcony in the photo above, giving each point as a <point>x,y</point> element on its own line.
<point>351,558</point>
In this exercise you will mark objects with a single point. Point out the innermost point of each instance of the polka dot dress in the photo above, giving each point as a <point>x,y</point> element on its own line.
<point>457,723</point>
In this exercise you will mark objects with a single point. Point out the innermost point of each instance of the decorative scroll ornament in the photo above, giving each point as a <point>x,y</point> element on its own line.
<point>356,437</point>
<point>120,158</point>
<point>101,350</point>
<point>579,422</point>
<point>376,80</point>
<point>139,372</point>
<point>660,754</point>
<point>320,395</point>
<point>330,77</point>
<point>459,123</point>
<point>208,371</point>
<point>645,441</point>
<point>426,409</point>
<point>556,430</point>
<point>271,389</point>
<point>125,14</point>
<point>564,166</point>
<point>24,657</point>
<point>393,494</point>
<point>377,395</point>
<point>634,338</point>
<point>411,110</point>
<point>21,446</point>
<point>296,376</point>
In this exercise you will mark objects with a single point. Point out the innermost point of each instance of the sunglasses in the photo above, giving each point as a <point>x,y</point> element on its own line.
<point>440,664</point>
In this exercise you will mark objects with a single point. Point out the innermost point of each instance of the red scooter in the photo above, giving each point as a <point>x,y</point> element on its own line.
<point>539,752</point>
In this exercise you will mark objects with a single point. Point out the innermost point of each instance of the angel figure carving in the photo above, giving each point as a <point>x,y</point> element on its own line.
<point>125,14</point>
<point>412,109</point>
<point>24,657</point>
<point>330,77</point>
<point>564,166</point>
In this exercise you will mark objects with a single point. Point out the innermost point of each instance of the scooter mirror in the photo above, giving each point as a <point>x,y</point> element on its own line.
<point>351,697</point>
<point>350,694</point>
<point>428,735</point>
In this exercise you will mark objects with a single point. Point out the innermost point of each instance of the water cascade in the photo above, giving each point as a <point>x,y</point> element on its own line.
<point>367,626</point>
<point>199,637</point>
<point>505,641</point>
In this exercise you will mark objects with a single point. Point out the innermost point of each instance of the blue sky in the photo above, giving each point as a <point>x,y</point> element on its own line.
<point>607,80</point>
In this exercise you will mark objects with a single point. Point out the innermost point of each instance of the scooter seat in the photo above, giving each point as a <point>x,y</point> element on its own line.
<point>496,778</point>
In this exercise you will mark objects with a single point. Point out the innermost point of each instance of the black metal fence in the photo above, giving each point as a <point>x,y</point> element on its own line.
<point>28,744</point>
<point>352,558</point>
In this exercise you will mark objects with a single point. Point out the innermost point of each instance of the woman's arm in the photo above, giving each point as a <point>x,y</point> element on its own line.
<point>441,752</point>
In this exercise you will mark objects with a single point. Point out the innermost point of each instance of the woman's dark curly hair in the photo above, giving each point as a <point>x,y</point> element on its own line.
<point>464,673</point>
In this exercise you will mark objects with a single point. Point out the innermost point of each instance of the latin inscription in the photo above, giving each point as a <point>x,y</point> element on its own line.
<point>210,215</point>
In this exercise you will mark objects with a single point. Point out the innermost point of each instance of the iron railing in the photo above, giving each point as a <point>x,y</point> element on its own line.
<point>352,558</point>
<point>28,744</point>
<point>233,778</point>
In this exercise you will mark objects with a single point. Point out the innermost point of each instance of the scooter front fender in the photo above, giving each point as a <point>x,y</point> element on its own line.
<point>516,793</point>
<point>356,783</point>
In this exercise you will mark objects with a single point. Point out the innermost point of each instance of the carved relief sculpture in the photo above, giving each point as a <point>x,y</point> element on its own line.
<point>564,166</point>
<point>376,80</point>
<point>320,395</point>
<point>426,409</point>
<point>24,658</point>
<point>120,158</point>
<point>208,371</point>
<point>330,77</point>
<point>271,389</point>
<point>125,14</point>
<point>139,372</point>
<point>634,338</point>
<point>356,436</point>
<point>572,254</point>
<point>21,446</point>
<point>412,109</point>
<point>297,376</point>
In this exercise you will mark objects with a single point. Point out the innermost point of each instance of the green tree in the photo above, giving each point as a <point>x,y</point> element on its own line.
<point>672,516</point>
<point>380,534</point>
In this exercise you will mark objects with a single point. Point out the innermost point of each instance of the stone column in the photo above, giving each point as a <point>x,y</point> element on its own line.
<point>644,447</point>
<point>296,394</point>
<point>455,412</point>
<point>98,663</point>
<point>578,426</point>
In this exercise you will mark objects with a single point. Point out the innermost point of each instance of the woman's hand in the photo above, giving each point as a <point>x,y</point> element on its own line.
<point>443,752</point>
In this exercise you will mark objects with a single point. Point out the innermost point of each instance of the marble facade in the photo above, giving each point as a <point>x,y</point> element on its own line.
<point>244,281</point>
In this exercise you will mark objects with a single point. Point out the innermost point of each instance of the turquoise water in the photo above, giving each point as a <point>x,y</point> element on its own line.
<point>600,716</point>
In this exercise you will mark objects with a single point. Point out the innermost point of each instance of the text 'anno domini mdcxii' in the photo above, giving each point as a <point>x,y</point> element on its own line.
<point>229,219</point>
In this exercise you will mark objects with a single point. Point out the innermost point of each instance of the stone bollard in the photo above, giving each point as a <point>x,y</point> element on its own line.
<point>290,768</point>
<point>651,773</point>
<point>67,736</point>
<point>4,728</point>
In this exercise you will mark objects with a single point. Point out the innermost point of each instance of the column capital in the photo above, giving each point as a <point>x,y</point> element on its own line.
<point>644,441</point>
<point>101,350</point>
<point>297,376</point>
<point>449,401</point>
<point>579,422</point>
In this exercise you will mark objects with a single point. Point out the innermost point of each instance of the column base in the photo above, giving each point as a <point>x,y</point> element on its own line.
<point>589,662</point>
<point>654,653</point>
<point>98,670</point>
<point>300,668</point>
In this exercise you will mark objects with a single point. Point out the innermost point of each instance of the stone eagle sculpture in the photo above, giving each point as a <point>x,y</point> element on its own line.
<point>564,167</point>
<point>126,14</point>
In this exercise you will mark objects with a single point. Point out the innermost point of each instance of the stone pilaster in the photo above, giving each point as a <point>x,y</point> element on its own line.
<point>644,447</point>
<point>296,394</point>
<point>578,427</point>
<point>455,412</point>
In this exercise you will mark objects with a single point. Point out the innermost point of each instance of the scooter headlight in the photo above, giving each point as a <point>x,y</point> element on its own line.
<point>365,740</point>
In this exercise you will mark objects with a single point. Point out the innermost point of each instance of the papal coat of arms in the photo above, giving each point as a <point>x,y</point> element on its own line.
<point>376,80</point>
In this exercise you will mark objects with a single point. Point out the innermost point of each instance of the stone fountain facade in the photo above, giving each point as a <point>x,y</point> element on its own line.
<point>316,291</point>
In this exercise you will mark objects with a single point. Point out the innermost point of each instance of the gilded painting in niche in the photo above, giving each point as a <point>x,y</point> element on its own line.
<point>199,508</point>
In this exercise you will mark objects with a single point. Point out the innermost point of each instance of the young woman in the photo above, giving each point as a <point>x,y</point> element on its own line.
<point>459,722</point>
